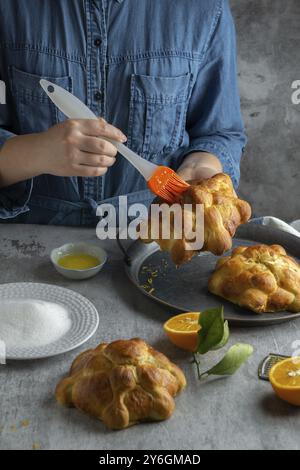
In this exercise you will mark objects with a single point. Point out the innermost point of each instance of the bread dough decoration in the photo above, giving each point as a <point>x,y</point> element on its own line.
<point>261,278</point>
<point>223,213</point>
<point>122,383</point>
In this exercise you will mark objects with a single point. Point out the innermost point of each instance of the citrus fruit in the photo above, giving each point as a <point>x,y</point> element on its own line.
<point>182,330</point>
<point>285,379</point>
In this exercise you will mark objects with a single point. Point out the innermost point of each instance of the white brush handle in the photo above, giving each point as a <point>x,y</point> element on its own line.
<point>73,108</point>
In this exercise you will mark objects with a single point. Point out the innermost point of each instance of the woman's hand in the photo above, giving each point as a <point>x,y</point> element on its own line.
<point>76,148</point>
<point>71,148</point>
<point>199,166</point>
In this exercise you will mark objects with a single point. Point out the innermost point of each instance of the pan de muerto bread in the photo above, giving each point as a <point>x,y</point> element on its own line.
<point>262,278</point>
<point>223,213</point>
<point>122,383</point>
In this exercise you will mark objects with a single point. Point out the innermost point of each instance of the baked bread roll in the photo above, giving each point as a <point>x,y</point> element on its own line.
<point>262,278</point>
<point>122,383</point>
<point>223,213</point>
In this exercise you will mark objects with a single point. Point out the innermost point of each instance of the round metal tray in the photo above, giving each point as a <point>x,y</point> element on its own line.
<point>185,288</point>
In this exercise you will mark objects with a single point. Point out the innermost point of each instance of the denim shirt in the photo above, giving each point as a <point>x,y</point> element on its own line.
<point>164,72</point>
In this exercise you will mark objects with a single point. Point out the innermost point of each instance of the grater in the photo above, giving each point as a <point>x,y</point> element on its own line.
<point>266,364</point>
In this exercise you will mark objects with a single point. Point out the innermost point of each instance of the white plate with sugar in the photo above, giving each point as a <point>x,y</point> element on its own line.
<point>43,320</point>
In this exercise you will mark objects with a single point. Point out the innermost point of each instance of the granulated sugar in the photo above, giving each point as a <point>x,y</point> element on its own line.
<point>28,323</point>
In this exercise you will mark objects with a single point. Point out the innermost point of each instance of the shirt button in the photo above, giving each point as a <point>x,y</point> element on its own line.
<point>98,95</point>
<point>97,42</point>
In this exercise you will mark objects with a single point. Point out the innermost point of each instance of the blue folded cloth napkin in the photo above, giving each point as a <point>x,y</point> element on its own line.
<point>293,227</point>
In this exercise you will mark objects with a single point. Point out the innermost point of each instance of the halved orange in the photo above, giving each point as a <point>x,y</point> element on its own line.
<point>285,379</point>
<point>182,330</point>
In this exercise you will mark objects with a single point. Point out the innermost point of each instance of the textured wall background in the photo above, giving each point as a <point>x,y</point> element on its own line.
<point>269,61</point>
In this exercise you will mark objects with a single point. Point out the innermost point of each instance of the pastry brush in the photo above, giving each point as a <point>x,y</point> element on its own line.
<point>161,180</point>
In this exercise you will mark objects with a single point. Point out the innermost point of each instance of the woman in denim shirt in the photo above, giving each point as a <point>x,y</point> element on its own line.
<point>162,73</point>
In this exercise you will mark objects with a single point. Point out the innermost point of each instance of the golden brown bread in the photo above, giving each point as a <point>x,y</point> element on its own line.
<point>261,277</point>
<point>122,383</point>
<point>223,213</point>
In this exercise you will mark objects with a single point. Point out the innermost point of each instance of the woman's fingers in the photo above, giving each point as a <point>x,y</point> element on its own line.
<point>95,160</point>
<point>89,171</point>
<point>97,146</point>
<point>83,147</point>
<point>97,128</point>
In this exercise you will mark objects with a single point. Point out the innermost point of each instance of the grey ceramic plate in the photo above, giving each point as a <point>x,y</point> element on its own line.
<point>185,288</point>
<point>82,313</point>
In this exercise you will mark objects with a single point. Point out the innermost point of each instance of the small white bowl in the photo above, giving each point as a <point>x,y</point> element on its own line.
<point>71,248</point>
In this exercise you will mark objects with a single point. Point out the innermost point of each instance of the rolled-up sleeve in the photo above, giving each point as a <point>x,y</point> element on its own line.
<point>13,199</point>
<point>214,121</point>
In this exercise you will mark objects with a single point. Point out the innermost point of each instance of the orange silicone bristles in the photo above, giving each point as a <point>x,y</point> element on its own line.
<point>166,184</point>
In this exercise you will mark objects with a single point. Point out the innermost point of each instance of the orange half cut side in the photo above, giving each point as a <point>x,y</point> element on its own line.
<point>182,330</point>
<point>285,380</point>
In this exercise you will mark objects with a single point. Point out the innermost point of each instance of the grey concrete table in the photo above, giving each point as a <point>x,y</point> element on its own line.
<point>239,412</point>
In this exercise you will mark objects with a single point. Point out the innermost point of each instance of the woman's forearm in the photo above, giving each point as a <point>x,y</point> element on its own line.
<point>72,148</point>
<point>199,165</point>
<point>18,161</point>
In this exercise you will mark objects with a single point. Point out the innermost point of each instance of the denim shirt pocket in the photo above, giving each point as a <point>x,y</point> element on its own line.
<point>157,114</point>
<point>34,109</point>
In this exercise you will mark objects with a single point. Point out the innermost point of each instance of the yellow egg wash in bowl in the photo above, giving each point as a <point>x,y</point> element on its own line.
<point>78,261</point>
